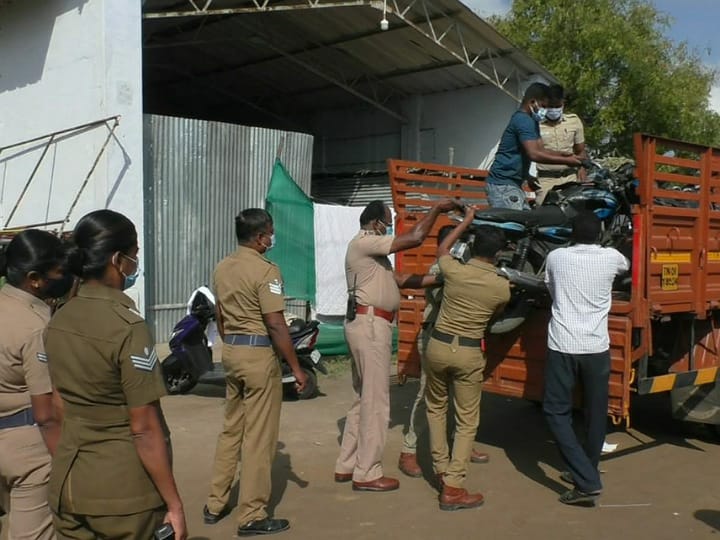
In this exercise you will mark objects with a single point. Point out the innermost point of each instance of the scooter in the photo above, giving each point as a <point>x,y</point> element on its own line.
<point>190,359</point>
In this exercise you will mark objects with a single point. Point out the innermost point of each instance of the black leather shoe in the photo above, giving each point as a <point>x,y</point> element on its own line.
<point>264,526</point>
<point>211,519</point>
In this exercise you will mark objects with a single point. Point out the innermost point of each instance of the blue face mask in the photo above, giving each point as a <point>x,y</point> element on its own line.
<point>131,279</point>
<point>389,230</point>
<point>540,114</point>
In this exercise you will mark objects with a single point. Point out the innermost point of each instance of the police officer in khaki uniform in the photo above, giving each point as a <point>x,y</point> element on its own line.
<point>561,132</point>
<point>28,423</point>
<point>473,293</point>
<point>407,463</point>
<point>111,474</point>
<point>250,305</point>
<point>374,286</point>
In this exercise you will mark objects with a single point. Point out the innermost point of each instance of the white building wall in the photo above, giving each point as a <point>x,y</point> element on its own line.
<point>462,126</point>
<point>65,63</point>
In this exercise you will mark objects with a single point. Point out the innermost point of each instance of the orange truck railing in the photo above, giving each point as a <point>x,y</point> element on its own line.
<point>675,273</point>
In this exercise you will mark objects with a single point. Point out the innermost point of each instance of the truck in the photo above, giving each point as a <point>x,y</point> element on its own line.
<point>664,333</point>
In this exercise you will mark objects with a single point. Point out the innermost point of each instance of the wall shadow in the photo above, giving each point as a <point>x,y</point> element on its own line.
<point>35,18</point>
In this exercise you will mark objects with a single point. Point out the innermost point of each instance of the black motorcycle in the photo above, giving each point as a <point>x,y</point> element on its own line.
<point>533,234</point>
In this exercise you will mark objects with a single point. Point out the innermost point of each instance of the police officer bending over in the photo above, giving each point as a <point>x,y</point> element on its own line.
<point>28,423</point>
<point>250,305</point>
<point>111,473</point>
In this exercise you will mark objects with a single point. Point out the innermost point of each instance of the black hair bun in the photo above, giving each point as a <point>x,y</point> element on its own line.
<point>76,259</point>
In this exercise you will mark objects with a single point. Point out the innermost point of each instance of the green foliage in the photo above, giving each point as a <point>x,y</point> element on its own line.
<point>620,72</point>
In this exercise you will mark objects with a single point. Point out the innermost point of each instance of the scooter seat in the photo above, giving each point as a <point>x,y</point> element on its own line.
<point>538,217</point>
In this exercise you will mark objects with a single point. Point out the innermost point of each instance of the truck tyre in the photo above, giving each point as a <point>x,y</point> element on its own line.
<point>514,315</point>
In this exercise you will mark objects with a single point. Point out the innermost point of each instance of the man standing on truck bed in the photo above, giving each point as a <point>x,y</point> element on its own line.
<point>374,299</point>
<point>519,145</point>
<point>580,279</point>
<point>473,293</point>
<point>561,132</point>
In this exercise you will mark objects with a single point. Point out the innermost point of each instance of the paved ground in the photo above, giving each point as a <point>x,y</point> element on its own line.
<point>662,482</point>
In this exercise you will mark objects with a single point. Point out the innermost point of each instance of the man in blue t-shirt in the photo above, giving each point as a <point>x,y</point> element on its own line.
<point>520,144</point>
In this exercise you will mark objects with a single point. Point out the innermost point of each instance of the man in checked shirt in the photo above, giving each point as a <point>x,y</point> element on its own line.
<point>580,278</point>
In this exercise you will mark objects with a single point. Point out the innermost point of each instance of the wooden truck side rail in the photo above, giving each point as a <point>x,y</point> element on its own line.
<point>675,273</point>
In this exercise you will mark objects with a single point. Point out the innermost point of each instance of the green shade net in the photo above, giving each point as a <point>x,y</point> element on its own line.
<point>294,251</point>
<point>331,340</point>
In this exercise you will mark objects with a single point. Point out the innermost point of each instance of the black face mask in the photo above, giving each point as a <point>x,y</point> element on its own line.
<point>58,287</point>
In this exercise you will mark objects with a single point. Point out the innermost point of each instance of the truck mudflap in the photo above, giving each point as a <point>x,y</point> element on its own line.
<point>672,381</point>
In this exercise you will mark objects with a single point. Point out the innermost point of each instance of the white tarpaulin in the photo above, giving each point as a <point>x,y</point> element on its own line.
<point>335,226</point>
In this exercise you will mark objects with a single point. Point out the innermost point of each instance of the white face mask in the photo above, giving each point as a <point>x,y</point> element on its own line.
<point>554,114</point>
<point>272,243</point>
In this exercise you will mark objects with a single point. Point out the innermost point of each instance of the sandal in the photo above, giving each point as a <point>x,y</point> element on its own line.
<point>575,496</point>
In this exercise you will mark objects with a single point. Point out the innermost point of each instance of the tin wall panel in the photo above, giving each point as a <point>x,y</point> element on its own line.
<point>199,175</point>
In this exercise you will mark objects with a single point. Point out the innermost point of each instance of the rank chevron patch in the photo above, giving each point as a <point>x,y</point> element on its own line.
<point>42,357</point>
<point>145,363</point>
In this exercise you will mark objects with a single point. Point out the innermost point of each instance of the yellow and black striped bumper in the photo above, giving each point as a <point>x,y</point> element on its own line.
<point>663,383</point>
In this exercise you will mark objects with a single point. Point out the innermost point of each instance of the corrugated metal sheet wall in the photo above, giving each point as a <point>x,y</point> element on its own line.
<point>356,191</point>
<point>198,176</point>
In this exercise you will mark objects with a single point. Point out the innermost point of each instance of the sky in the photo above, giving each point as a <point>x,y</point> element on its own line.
<point>693,21</point>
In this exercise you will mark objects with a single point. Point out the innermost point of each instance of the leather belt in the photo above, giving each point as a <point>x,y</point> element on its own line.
<point>22,418</point>
<point>247,339</point>
<point>556,174</point>
<point>462,341</point>
<point>387,315</point>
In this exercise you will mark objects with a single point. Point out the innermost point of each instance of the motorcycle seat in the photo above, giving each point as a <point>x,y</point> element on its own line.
<point>537,217</point>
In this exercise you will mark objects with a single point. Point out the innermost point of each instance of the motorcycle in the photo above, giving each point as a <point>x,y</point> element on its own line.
<point>533,234</point>
<point>190,360</point>
<point>191,342</point>
<point>304,337</point>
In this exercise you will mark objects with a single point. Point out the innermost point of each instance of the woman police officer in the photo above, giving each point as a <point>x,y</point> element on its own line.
<point>111,474</point>
<point>31,265</point>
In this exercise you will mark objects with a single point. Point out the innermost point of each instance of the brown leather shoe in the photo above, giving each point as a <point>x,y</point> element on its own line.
<point>381,484</point>
<point>479,457</point>
<point>343,477</point>
<point>408,465</point>
<point>458,499</point>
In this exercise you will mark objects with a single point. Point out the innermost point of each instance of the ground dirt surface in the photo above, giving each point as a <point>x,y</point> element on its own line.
<point>660,483</point>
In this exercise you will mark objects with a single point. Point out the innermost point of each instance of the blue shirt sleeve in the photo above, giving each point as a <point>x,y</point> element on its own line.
<point>526,127</point>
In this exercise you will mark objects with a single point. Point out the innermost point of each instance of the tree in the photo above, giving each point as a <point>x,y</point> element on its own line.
<point>621,73</point>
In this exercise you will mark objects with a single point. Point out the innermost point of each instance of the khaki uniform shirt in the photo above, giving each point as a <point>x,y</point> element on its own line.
<point>367,260</point>
<point>473,292</point>
<point>561,137</point>
<point>23,364</point>
<point>102,362</point>
<point>247,285</point>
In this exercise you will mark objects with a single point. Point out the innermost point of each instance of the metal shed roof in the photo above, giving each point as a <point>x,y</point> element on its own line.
<point>280,60</point>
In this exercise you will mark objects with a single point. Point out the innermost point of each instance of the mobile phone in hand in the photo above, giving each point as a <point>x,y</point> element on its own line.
<point>164,532</point>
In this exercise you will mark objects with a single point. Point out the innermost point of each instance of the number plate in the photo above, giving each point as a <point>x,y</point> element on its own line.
<point>315,355</point>
<point>670,277</point>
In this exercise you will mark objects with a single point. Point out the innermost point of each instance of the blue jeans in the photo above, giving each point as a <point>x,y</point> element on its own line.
<point>506,196</point>
<point>561,373</point>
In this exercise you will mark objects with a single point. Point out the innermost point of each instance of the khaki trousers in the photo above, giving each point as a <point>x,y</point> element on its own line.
<point>460,368</point>
<point>252,422</point>
<point>370,341</point>
<point>546,184</point>
<point>24,474</point>
<point>418,415</point>
<point>140,526</point>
